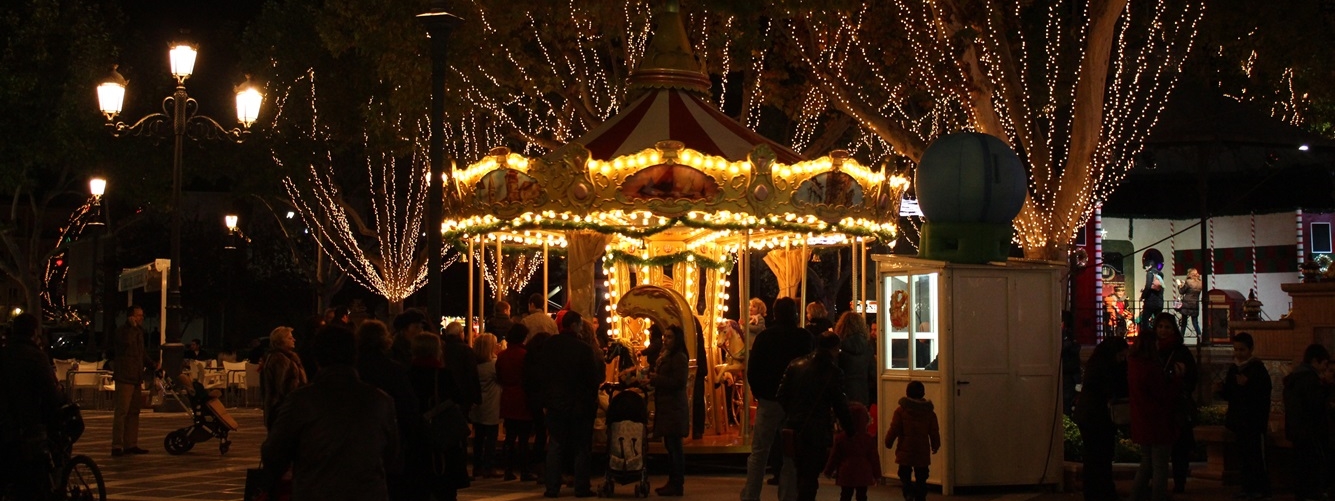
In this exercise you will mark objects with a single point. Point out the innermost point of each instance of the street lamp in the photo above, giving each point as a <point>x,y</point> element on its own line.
<point>97,186</point>
<point>439,24</point>
<point>230,221</point>
<point>181,112</point>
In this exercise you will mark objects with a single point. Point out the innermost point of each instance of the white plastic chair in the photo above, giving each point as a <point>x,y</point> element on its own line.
<point>82,381</point>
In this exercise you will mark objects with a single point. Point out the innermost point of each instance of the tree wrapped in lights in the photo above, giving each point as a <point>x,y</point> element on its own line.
<point>1073,87</point>
<point>508,274</point>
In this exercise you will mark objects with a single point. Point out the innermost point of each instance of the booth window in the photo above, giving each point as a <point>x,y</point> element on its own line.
<point>1321,238</point>
<point>913,333</point>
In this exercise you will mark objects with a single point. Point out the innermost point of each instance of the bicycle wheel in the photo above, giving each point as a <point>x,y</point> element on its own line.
<point>82,480</point>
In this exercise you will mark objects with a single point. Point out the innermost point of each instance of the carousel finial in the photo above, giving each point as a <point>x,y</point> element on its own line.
<point>669,60</point>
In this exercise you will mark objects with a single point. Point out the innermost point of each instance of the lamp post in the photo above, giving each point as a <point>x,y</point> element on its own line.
<point>438,24</point>
<point>182,112</point>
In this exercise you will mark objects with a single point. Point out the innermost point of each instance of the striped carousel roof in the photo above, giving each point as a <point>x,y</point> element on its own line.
<point>677,114</point>
<point>669,101</point>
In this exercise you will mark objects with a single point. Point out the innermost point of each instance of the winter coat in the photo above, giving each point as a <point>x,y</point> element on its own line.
<point>538,322</point>
<point>1248,404</point>
<point>1185,410</point>
<point>1305,397</point>
<point>499,325</point>
<point>854,460</point>
<point>128,366</point>
<point>914,425</point>
<point>31,399</point>
<point>671,416</point>
<point>339,436</point>
<point>510,375</point>
<point>858,361</point>
<point>488,411</point>
<point>433,383</point>
<point>772,351</point>
<point>1101,385</point>
<point>568,375</point>
<point>280,373</point>
<point>377,369</point>
<point>1154,401</point>
<point>819,326</point>
<point>458,357</point>
<point>1191,296</point>
<point>811,388</point>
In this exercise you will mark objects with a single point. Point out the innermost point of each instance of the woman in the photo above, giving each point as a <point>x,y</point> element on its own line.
<point>486,416</point>
<point>756,323</point>
<point>280,373</point>
<point>1155,388</point>
<point>514,409</point>
<point>856,358</point>
<point>433,383</point>
<point>672,421</point>
<point>1104,381</point>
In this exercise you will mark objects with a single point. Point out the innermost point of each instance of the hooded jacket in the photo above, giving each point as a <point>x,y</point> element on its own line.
<point>1305,399</point>
<point>858,362</point>
<point>914,425</point>
<point>811,388</point>
<point>854,460</point>
<point>1248,404</point>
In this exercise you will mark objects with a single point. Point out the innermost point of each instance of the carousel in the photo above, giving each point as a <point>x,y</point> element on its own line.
<point>659,206</point>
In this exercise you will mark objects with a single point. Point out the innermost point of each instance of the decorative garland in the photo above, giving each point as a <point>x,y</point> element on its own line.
<point>617,256</point>
<point>456,235</point>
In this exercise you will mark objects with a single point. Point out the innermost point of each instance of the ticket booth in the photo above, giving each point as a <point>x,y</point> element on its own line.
<point>985,341</point>
<point>1225,305</point>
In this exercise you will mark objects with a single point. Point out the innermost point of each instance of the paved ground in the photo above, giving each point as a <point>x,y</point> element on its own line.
<point>204,474</point>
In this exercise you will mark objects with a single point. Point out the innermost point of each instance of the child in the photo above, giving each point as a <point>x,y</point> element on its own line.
<point>914,425</point>
<point>853,460</point>
<point>1247,389</point>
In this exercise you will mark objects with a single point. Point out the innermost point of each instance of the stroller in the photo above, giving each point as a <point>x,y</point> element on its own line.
<point>627,437</point>
<point>211,420</point>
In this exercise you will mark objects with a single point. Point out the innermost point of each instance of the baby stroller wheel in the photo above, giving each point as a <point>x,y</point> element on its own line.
<point>606,490</point>
<point>224,445</point>
<point>642,490</point>
<point>178,442</point>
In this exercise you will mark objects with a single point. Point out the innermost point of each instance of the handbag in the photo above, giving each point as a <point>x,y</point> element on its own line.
<point>446,426</point>
<point>259,487</point>
<point>1119,409</point>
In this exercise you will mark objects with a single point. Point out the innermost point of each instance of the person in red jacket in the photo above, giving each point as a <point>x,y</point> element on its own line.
<point>515,408</point>
<point>854,462</point>
<point>914,425</point>
<point>1155,384</point>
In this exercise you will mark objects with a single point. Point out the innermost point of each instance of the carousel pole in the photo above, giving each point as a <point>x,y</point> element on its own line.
<point>468,320</point>
<point>855,276</point>
<point>862,306</point>
<point>545,258</point>
<point>501,289</point>
<point>802,286</point>
<point>481,284</point>
<point>744,301</point>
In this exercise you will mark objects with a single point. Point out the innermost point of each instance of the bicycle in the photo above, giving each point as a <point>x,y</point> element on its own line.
<point>72,477</point>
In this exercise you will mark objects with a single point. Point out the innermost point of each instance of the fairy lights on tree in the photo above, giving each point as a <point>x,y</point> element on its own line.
<point>1073,87</point>
<point>511,274</point>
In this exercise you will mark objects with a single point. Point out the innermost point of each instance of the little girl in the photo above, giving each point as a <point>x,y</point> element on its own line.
<point>853,460</point>
<point>914,425</point>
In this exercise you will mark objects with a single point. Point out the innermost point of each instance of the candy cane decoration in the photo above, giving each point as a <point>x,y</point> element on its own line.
<point>1255,285</point>
<point>1302,246</point>
<point>1098,276</point>
<point>1209,259</point>
<point>1172,254</point>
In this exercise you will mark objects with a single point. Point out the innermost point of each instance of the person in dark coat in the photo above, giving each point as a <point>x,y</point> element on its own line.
<point>771,352</point>
<point>1246,387</point>
<point>128,372</point>
<point>376,368</point>
<point>31,403</point>
<point>854,462</point>
<point>1104,381</point>
<point>463,366</point>
<point>515,410</point>
<point>569,375</point>
<point>407,325</point>
<point>444,471</point>
<point>915,427</point>
<point>857,358</point>
<point>338,434</point>
<point>1174,352</point>
<point>1155,389</point>
<point>533,391</point>
<point>811,388</point>
<point>499,323</point>
<point>280,373</point>
<point>671,421</point>
<point>1306,393</point>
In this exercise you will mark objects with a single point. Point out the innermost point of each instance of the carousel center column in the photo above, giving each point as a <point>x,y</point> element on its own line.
<point>585,249</point>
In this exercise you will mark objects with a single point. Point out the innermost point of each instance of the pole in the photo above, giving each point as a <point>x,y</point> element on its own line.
<point>438,24</point>
<point>173,320</point>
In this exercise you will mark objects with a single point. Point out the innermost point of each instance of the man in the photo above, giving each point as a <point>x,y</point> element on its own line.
<point>407,325</point>
<point>1306,393</point>
<point>1151,295</point>
<point>461,362</point>
<point>376,368</point>
<point>1190,289</point>
<point>538,321</point>
<point>338,434</point>
<point>774,348</point>
<point>499,324</point>
<point>570,375</point>
<point>1246,387</point>
<point>30,402</point>
<point>194,352</point>
<point>812,387</point>
<point>1173,351</point>
<point>128,372</point>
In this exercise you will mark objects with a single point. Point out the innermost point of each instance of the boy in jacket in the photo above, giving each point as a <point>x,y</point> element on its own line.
<point>854,461</point>
<point>1247,390</point>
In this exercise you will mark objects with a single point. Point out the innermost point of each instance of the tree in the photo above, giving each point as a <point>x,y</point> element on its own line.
<point>53,52</point>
